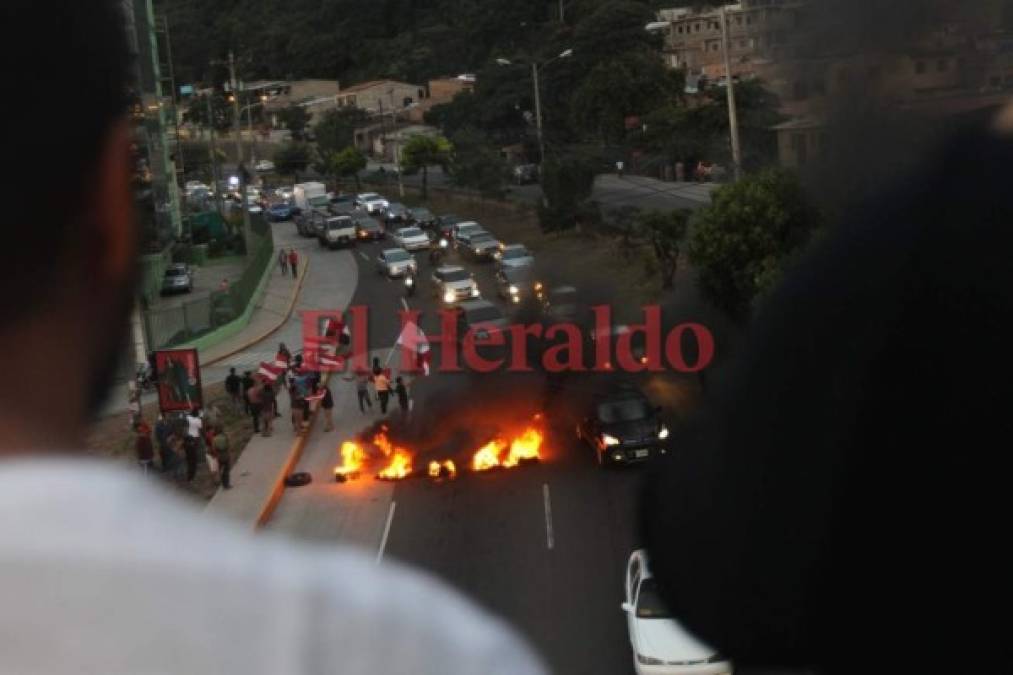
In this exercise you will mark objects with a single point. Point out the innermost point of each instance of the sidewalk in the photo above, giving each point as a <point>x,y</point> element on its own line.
<point>269,314</point>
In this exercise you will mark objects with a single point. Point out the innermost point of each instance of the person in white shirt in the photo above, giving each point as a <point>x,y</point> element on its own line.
<point>100,570</point>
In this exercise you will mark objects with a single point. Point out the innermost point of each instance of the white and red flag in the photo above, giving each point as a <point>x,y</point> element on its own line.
<point>413,339</point>
<point>270,371</point>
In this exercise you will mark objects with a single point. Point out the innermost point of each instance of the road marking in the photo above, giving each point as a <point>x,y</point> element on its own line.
<point>363,255</point>
<point>386,533</point>
<point>549,539</point>
<point>404,303</point>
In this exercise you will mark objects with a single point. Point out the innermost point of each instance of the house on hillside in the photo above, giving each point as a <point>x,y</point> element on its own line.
<point>380,96</point>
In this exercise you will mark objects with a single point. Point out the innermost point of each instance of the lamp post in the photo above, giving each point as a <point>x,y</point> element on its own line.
<point>733,117</point>
<point>538,96</point>
<point>248,109</point>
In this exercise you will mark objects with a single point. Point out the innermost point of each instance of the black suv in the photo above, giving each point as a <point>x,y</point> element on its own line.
<point>623,427</point>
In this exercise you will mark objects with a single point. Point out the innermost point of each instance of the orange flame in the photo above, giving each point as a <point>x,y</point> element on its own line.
<point>497,452</point>
<point>447,467</point>
<point>352,457</point>
<point>400,460</point>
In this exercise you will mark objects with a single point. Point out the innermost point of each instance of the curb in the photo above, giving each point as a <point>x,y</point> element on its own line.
<point>272,331</point>
<point>294,455</point>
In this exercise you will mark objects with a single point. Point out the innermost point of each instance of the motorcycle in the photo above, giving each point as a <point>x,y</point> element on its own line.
<point>437,252</point>
<point>409,284</point>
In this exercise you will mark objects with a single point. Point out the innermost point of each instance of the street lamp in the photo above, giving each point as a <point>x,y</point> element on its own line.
<point>249,125</point>
<point>538,96</point>
<point>733,117</point>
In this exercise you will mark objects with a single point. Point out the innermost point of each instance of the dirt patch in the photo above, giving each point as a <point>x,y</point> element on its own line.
<point>112,438</point>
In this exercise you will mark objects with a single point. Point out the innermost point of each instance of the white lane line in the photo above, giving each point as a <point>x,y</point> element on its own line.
<point>404,303</point>
<point>386,533</point>
<point>549,539</point>
<point>363,255</point>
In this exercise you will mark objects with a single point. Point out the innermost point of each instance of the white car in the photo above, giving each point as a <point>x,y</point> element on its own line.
<point>660,645</point>
<point>453,284</point>
<point>371,202</point>
<point>411,238</point>
<point>285,193</point>
<point>395,262</point>
<point>193,185</point>
<point>264,165</point>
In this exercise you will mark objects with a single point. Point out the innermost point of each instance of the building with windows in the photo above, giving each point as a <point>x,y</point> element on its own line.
<point>380,96</point>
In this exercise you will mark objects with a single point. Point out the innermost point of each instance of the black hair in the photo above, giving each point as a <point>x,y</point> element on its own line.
<point>72,88</point>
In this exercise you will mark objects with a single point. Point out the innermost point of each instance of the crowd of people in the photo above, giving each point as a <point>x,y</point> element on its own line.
<point>383,387</point>
<point>180,444</point>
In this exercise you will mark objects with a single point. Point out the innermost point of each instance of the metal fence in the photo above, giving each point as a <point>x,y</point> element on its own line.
<point>173,326</point>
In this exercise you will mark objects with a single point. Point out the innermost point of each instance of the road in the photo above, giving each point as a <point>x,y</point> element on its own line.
<point>542,546</point>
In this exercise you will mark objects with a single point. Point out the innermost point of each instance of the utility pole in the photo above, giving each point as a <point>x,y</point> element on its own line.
<point>733,115</point>
<point>215,176</point>
<point>561,20</point>
<point>538,113</point>
<point>241,169</point>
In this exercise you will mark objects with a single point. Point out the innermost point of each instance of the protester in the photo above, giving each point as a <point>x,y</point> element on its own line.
<point>296,408</point>
<point>362,379</point>
<point>100,571</point>
<point>255,398</point>
<point>268,408</point>
<point>293,262</point>
<point>401,390</point>
<point>283,262</point>
<point>233,384</point>
<point>145,451</point>
<point>222,453</point>
<point>246,383</point>
<point>326,404</point>
<point>163,434</point>
<point>192,442</point>
<point>381,381</point>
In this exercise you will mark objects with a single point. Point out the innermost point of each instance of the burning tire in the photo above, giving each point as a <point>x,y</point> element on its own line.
<point>298,479</point>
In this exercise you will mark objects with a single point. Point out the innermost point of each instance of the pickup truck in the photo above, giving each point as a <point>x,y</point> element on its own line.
<point>337,231</point>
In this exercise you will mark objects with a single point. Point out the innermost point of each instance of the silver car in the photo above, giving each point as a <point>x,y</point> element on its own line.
<point>513,255</point>
<point>452,284</point>
<point>177,279</point>
<point>483,246</point>
<point>395,262</point>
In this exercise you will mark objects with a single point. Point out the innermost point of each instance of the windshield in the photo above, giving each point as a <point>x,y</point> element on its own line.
<point>625,410</point>
<point>482,314</point>
<point>649,604</point>
<point>175,273</point>
<point>339,223</point>
<point>412,232</point>
<point>456,275</point>
<point>397,256</point>
<point>513,253</point>
<point>319,201</point>
<point>516,275</point>
<point>369,196</point>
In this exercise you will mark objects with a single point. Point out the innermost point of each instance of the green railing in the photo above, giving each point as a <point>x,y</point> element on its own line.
<point>173,326</point>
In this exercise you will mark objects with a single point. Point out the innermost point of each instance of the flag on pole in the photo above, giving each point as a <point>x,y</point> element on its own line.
<point>269,371</point>
<point>415,340</point>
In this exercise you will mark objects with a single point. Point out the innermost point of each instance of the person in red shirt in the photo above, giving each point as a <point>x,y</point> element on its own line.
<point>293,262</point>
<point>144,447</point>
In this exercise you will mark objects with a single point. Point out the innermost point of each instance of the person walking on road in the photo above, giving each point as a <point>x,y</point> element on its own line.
<point>382,383</point>
<point>283,262</point>
<point>268,408</point>
<point>192,442</point>
<point>232,386</point>
<point>220,449</point>
<point>326,404</point>
<point>361,378</point>
<point>293,262</point>
<point>401,389</point>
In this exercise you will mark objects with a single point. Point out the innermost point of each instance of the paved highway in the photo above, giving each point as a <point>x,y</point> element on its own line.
<point>543,546</point>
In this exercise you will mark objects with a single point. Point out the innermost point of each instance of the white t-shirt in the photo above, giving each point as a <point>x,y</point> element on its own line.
<point>102,572</point>
<point>193,426</point>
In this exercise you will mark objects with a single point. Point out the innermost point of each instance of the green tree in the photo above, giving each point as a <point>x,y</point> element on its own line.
<point>295,118</point>
<point>421,152</point>
<point>477,164</point>
<point>348,162</point>
<point>742,241</point>
<point>336,129</point>
<point>197,112</point>
<point>567,184</point>
<point>292,158</point>
<point>665,232</point>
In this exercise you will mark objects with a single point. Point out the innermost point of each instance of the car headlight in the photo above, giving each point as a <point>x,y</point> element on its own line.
<point>663,432</point>
<point>477,250</point>
<point>474,291</point>
<point>608,439</point>
<point>448,297</point>
<point>514,290</point>
<point>649,660</point>
<point>538,286</point>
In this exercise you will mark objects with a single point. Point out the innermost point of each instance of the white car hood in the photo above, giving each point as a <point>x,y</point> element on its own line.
<point>417,239</point>
<point>458,285</point>
<point>665,639</point>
